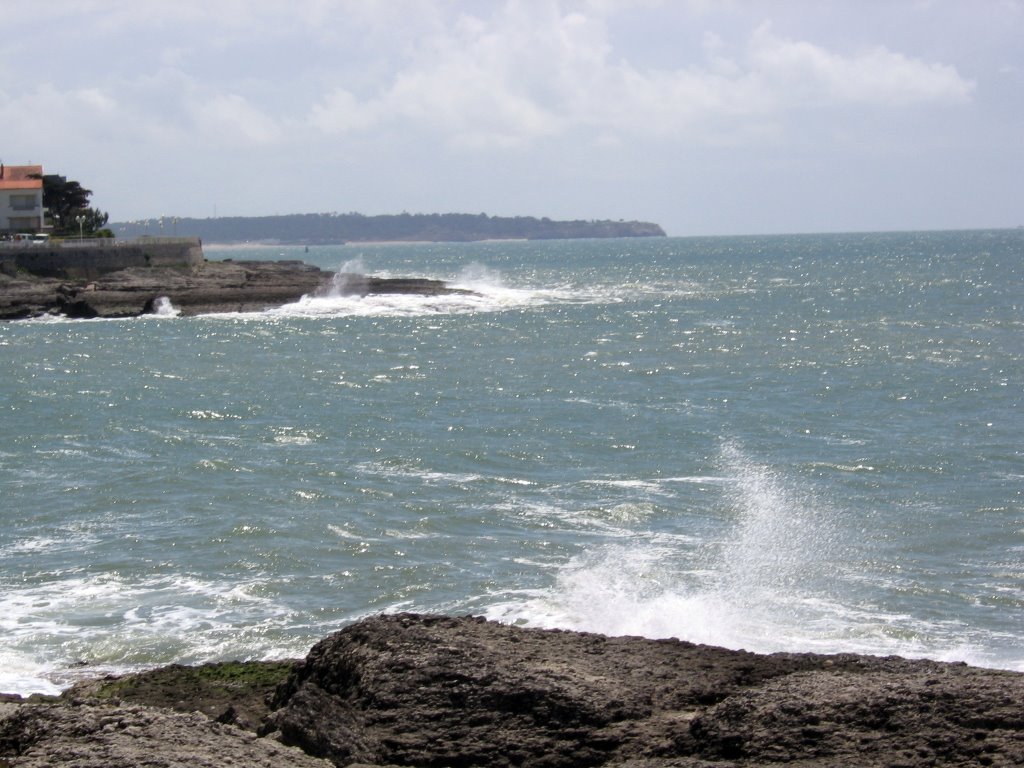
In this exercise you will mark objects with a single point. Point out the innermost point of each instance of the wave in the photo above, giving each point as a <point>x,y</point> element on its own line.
<point>488,291</point>
<point>162,307</point>
<point>396,305</point>
<point>775,582</point>
<point>84,626</point>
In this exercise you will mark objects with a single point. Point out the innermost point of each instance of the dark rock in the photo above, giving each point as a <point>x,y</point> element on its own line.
<point>436,691</point>
<point>23,297</point>
<point>431,691</point>
<point>924,714</point>
<point>105,736</point>
<point>350,284</point>
<point>229,692</point>
<point>214,286</point>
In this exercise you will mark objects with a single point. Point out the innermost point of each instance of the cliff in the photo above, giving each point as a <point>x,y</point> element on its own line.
<point>436,691</point>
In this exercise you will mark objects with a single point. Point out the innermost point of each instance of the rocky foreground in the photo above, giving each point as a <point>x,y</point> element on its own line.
<point>434,691</point>
<point>214,286</point>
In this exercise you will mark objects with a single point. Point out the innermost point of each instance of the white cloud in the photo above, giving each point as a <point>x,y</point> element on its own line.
<point>341,112</point>
<point>229,118</point>
<point>532,71</point>
<point>467,82</point>
<point>43,113</point>
<point>800,72</point>
<point>505,75</point>
<point>168,109</point>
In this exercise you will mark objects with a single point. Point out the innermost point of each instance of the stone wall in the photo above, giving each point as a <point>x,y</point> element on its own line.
<point>90,259</point>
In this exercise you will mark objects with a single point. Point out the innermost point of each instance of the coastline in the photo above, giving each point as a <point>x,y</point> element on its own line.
<point>785,518</point>
<point>207,288</point>
<point>418,690</point>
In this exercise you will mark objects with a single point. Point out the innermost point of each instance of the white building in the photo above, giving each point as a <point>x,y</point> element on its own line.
<point>21,198</point>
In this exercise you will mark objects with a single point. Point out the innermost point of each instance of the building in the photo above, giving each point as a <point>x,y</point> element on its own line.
<point>21,198</point>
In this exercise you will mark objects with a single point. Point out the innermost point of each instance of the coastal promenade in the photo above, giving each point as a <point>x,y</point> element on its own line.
<point>90,258</point>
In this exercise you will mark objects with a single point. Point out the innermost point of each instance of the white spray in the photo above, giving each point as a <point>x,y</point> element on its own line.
<point>342,278</point>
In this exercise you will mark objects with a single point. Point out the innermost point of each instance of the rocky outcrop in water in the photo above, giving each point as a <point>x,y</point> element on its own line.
<point>214,286</point>
<point>437,691</point>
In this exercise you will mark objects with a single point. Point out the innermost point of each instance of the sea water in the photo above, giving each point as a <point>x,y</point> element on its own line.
<point>803,443</point>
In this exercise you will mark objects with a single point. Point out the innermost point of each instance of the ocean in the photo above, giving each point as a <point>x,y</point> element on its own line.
<point>779,443</point>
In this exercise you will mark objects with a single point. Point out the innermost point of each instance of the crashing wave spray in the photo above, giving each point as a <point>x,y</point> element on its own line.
<point>784,542</point>
<point>778,568</point>
<point>353,268</point>
<point>478,276</point>
<point>162,307</point>
<point>781,578</point>
<point>768,584</point>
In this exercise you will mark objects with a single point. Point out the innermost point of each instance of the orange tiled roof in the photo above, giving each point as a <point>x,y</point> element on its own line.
<point>17,176</point>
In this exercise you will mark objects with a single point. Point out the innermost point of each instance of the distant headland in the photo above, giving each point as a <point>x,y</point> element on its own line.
<point>335,228</point>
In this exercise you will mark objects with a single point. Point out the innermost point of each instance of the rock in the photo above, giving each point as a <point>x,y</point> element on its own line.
<point>350,284</point>
<point>229,692</point>
<point>427,691</point>
<point>914,714</point>
<point>106,736</point>
<point>214,286</point>
<point>438,691</point>
<point>22,298</point>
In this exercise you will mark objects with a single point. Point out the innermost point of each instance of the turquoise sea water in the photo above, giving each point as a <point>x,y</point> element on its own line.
<point>775,443</point>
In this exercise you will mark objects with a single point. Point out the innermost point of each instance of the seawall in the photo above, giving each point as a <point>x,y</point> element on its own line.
<point>90,259</point>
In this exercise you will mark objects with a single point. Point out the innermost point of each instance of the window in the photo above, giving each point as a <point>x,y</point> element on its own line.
<point>23,202</point>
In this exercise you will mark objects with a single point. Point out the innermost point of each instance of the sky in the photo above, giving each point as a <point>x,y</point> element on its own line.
<point>709,118</point>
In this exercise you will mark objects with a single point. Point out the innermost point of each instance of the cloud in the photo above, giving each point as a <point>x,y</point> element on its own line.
<point>799,72</point>
<point>44,111</point>
<point>341,112</point>
<point>229,118</point>
<point>476,81</point>
<point>168,109</point>
<point>507,75</point>
<point>529,72</point>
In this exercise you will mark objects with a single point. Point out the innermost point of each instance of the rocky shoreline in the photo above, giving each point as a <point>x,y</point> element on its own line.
<point>213,286</point>
<point>440,691</point>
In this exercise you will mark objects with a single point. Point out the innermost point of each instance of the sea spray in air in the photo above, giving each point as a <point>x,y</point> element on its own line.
<point>482,289</point>
<point>769,582</point>
<point>342,279</point>
<point>778,567</point>
<point>162,307</point>
<point>783,547</point>
<point>479,277</point>
<point>781,576</point>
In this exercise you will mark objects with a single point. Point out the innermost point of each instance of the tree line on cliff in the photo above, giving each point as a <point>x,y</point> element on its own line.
<point>327,228</point>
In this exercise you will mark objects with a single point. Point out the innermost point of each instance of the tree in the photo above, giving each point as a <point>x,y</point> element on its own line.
<point>66,201</point>
<point>95,222</point>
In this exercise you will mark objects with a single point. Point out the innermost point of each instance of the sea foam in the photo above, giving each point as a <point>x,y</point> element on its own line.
<point>773,583</point>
